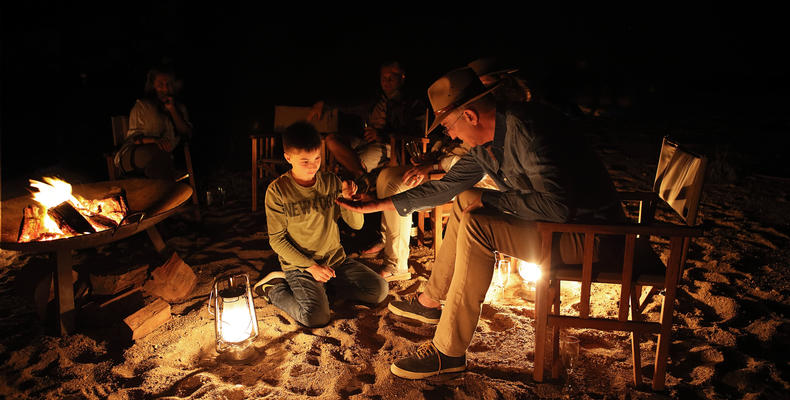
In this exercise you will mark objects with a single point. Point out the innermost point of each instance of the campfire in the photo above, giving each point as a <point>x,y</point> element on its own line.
<point>60,214</point>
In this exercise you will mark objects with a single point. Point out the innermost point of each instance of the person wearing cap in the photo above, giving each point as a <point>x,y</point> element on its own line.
<point>544,173</point>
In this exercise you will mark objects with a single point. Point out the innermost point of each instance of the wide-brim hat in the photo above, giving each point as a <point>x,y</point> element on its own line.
<point>491,66</point>
<point>455,89</point>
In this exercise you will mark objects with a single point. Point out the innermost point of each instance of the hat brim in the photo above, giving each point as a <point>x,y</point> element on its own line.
<point>439,120</point>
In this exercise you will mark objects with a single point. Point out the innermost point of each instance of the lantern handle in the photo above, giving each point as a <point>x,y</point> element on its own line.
<point>211,296</point>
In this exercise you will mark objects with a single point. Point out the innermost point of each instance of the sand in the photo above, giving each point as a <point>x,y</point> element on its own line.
<point>730,324</point>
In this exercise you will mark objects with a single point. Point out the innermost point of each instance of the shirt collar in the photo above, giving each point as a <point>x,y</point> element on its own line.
<point>500,128</point>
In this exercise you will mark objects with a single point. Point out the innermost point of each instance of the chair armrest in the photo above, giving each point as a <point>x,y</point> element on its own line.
<point>656,229</point>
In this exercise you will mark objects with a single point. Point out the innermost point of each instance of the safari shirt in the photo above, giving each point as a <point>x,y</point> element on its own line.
<point>544,172</point>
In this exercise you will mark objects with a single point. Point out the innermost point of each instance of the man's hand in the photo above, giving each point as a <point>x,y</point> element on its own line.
<point>372,135</point>
<point>417,175</point>
<point>349,189</point>
<point>321,273</point>
<point>366,207</point>
<point>316,112</point>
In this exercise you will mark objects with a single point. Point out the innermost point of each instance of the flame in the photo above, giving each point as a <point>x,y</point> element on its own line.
<point>53,192</point>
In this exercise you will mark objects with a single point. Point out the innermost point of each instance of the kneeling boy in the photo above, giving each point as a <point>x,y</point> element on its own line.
<point>301,215</point>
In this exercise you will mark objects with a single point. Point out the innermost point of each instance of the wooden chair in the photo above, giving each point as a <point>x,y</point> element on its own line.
<point>677,185</point>
<point>265,156</point>
<point>120,125</point>
<point>438,215</point>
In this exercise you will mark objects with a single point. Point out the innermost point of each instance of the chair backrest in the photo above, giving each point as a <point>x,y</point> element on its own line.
<point>679,179</point>
<point>120,125</point>
<point>284,116</point>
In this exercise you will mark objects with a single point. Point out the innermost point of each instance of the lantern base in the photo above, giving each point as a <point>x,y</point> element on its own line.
<point>237,355</point>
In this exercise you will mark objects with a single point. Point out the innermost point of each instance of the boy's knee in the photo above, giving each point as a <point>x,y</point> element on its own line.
<point>314,318</point>
<point>382,291</point>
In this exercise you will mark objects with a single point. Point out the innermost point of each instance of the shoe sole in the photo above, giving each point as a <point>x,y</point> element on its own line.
<point>398,277</point>
<point>397,371</point>
<point>267,278</point>
<point>406,314</point>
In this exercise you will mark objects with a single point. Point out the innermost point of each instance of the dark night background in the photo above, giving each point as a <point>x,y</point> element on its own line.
<point>716,75</point>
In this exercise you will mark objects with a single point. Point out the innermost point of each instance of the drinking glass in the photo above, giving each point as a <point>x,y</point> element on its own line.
<point>414,148</point>
<point>569,348</point>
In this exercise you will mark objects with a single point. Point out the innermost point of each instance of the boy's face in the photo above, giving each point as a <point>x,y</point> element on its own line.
<point>305,163</point>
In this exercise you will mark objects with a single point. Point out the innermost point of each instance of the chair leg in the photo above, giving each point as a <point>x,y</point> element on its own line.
<point>188,159</point>
<point>667,308</point>
<point>420,227</point>
<point>636,355</point>
<point>541,320</point>
<point>254,173</point>
<point>111,168</point>
<point>555,348</point>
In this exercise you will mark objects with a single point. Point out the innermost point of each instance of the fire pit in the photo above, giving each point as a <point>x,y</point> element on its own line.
<point>150,200</point>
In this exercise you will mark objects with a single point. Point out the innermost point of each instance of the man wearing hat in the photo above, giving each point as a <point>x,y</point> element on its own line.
<point>544,173</point>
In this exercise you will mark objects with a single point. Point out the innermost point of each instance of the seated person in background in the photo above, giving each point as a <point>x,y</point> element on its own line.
<point>156,124</point>
<point>391,112</point>
<point>301,216</point>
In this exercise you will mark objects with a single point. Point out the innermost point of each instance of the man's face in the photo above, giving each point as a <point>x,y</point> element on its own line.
<point>392,78</point>
<point>458,126</point>
<point>163,84</point>
<point>305,162</point>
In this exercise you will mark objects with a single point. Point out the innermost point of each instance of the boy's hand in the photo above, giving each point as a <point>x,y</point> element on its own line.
<point>321,273</point>
<point>348,190</point>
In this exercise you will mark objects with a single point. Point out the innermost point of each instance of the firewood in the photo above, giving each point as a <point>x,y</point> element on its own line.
<point>30,227</point>
<point>113,282</point>
<point>104,222</point>
<point>148,318</point>
<point>173,281</point>
<point>69,220</point>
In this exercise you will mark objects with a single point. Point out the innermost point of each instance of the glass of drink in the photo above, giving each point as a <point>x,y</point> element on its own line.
<point>569,349</point>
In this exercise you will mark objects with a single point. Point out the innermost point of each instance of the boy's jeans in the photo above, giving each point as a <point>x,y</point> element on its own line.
<point>305,300</point>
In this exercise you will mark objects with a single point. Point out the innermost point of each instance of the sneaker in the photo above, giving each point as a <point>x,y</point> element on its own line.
<point>427,361</point>
<point>261,289</point>
<point>412,308</point>
<point>390,274</point>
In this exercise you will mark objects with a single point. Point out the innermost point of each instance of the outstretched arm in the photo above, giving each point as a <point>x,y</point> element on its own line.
<point>366,207</point>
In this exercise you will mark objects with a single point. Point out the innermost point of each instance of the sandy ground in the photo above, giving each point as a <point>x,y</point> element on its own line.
<point>730,324</point>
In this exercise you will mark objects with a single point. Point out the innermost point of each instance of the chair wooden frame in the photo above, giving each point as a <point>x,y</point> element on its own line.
<point>681,194</point>
<point>120,125</point>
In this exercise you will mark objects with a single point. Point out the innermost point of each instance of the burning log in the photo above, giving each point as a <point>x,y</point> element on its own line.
<point>69,220</point>
<point>30,227</point>
<point>62,215</point>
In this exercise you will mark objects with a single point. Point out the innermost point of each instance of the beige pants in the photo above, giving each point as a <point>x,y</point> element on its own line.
<point>395,230</point>
<point>464,266</point>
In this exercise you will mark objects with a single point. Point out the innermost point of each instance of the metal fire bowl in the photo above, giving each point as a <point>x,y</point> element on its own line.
<point>157,199</point>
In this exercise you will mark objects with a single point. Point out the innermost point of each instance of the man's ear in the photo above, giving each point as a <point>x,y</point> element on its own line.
<point>471,116</point>
<point>287,157</point>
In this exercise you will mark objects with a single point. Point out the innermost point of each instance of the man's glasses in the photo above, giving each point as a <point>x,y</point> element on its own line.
<point>446,129</point>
